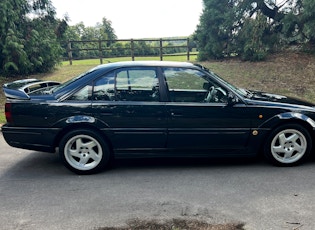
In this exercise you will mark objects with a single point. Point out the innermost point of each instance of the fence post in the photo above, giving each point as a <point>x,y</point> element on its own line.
<point>70,52</point>
<point>161,49</point>
<point>100,51</point>
<point>188,50</point>
<point>132,50</point>
<point>133,47</point>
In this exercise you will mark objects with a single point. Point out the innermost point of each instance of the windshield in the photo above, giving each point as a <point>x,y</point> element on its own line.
<point>240,91</point>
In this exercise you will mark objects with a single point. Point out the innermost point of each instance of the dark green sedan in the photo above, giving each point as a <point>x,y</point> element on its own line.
<point>154,109</point>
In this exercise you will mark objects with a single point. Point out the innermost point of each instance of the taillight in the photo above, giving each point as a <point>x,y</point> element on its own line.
<point>8,112</point>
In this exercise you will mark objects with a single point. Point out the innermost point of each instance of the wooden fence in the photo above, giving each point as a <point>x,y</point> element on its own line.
<point>100,48</point>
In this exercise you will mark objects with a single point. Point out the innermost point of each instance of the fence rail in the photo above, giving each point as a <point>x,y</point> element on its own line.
<point>100,48</point>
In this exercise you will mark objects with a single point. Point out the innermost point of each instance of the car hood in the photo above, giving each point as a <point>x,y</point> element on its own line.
<point>263,96</point>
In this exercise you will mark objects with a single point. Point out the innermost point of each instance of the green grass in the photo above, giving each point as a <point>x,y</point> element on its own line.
<point>107,60</point>
<point>285,73</point>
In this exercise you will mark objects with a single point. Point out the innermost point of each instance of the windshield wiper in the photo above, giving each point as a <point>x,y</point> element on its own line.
<point>247,93</point>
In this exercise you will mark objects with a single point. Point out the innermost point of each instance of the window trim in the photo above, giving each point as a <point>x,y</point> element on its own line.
<point>128,69</point>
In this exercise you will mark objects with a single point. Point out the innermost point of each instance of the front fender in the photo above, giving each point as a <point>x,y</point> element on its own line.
<point>288,116</point>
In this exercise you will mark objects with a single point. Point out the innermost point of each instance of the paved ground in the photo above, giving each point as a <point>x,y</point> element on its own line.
<point>37,192</point>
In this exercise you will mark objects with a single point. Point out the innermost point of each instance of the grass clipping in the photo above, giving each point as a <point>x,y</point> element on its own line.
<point>174,224</point>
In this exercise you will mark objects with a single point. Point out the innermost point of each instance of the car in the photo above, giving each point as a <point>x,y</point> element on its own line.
<point>154,109</point>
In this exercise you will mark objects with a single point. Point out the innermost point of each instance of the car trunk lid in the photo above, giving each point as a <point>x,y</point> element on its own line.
<point>21,89</point>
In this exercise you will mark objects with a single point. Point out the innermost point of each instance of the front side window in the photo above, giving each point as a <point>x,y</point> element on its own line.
<point>189,85</point>
<point>128,84</point>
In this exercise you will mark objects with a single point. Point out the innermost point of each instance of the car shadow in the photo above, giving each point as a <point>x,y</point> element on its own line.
<point>39,164</point>
<point>44,164</point>
<point>35,165</point>
<point>184,162</point>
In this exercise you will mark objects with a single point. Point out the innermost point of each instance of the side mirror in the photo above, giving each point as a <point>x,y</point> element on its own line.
<point>232,99</point>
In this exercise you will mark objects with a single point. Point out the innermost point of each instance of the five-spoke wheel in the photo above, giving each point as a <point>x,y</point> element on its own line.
<point>288,145</point>
<point>84,152</point>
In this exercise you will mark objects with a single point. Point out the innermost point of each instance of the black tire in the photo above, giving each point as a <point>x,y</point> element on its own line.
<point>84,151</point>
<point>288,145</point>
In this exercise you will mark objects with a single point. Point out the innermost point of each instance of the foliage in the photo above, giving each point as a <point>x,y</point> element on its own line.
<point>215,31</point>
<point>33,40</point>
<point>80,32</point>
<point>253,28</point>
<point>106,31</point>
<point>29,37</point>
<point>254,39</point>
<point>86,42</point>
<point>299,24</point>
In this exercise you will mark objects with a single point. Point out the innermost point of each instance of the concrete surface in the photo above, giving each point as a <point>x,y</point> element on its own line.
<point>37,192</point>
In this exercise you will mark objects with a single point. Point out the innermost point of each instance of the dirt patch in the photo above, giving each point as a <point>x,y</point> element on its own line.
<point>174,224</point>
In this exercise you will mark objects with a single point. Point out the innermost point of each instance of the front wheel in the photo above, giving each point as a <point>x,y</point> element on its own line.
<point>288,145</point>
<point>84,151</point>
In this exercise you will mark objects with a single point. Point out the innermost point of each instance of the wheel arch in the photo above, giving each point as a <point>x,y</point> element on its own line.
<point>85,126</point>
<point>290,117</point>
<point>287,119</point>
<point>281,149</point>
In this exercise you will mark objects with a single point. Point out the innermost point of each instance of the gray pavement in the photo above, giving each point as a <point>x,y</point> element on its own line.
<point>37,192</point>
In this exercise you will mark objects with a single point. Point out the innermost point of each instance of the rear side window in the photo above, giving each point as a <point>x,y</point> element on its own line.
<point>128,84</point>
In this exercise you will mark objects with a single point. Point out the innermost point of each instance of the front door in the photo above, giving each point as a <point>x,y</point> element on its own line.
<point>200,117</point>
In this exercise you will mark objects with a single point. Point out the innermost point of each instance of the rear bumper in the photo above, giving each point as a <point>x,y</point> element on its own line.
<point>39,139</point>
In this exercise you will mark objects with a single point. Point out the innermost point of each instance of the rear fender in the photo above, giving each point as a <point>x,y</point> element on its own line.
<point>81,122</point>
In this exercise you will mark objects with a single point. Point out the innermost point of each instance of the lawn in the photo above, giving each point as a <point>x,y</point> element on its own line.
<point>285,73</point>
<point>291,74</point>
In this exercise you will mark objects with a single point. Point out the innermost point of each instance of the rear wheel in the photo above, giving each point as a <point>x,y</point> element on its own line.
<point>84,151</point>
<point>288,145</point>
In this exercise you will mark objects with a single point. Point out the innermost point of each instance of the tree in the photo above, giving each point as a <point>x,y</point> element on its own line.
<point>307,21</point>
<point>253,38</point>
<point>80,32</point>
<point>214,33</point>
<point>30,36</point>
<point>12,53</point>
<point>106,31</point>
<point>73,33</point>
<point>252,28</point>
<point>299,23</point>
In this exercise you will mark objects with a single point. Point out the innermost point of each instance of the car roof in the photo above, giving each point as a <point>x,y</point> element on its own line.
<point>145,63</point>
<point>104,68</point>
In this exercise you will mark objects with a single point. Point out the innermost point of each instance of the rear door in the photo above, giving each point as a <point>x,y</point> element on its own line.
<point>199,116</point>
<point>127,100</point>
